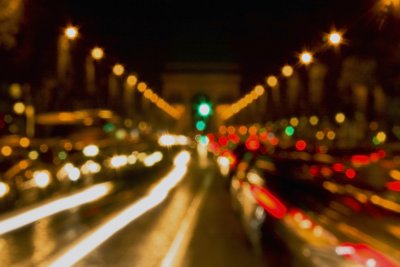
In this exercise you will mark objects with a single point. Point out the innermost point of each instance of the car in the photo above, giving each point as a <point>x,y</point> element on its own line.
<point>314,216</point>
<point>241,152</point>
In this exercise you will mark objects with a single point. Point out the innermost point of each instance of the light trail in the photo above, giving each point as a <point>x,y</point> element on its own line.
<point>178,248</point>
<point>21,219</point>
<point>95,238</point>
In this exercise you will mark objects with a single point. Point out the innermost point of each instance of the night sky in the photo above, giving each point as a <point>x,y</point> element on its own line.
<point>259,36</point>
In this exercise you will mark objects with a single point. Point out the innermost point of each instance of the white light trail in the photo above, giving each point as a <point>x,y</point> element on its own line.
<point>95,238</point>
<point>176,252</point>
<point>85,196</point>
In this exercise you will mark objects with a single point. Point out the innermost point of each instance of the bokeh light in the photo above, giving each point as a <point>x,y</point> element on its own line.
<point>118,69</point>
<point>19,108</point>
<point>306,57</point>
<point>272,81</point>
<point>287,71</point>
<point>131,80</point>
<point>335,38</point>
<point>97,53</point>
<point>71,32</point>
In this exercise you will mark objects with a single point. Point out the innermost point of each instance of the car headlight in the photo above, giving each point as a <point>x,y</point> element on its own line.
<point>41,178</point>
<point>4,189</point>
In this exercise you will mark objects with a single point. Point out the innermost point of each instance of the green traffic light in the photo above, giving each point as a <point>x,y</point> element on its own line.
<point>204,140</point>
<point>200,125</point>
<point>289,130</point>
<point>204,109</point>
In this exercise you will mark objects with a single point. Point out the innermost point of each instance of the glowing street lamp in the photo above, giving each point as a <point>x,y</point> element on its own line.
<point>97,53</point>
<point>306,57</point>
<point>131,80</point>
<point>287,71</point>
<point>71,32</point>
<point>118,69</point>
<point>64,56</point>
<point>259,89</point>
<point>335,38</point>
<point>142,86</point>
<point>272,81</point>
<point>340,117</point>
<point>19,108</point>
<point>129,96</point>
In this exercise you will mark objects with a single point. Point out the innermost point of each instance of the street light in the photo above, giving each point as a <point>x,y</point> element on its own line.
<point>97,53</point>
<point>259,89</point>
<point>19,108</point>
<point>306,57</point>
<point>272,81</point>
<point>71,32</point>
<point>335,38</point>
<point>129,95</point>
<point>131,80</point>
<point>142,86</point>
<point>118,69</point>
<point>64,58</point>
<point>287,71</point>
<point>340,117</point>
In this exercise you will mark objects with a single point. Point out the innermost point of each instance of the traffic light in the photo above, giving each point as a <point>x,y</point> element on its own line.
<point>200,125</point>
<point>202,111</point>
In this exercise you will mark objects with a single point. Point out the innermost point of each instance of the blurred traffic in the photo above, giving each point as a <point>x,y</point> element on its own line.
<point>262,133</point>
<point>331,205</point>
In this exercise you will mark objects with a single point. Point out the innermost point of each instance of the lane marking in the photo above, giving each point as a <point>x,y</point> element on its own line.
<point>176,252</point>
<point>91,240</point>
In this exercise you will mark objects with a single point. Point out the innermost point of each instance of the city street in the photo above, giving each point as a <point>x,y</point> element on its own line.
<point>191,134</point>
<point>194,226</point>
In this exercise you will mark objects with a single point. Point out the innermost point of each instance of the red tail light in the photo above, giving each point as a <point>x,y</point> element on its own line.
<point>381,153</point>
<point>252,143</point>
<point>274,141</point>
<point>223,141</point>
<point>301,145</point>
<point>263,137</point>
<point>350,173</point>
<point>211,137</point>
<point>230,156</point>
<point>360,159</point>
<point>394,186</point>
<point>269,202</point>
<point>338,167</point>
<point>234,138</point>
<point>314,170</point>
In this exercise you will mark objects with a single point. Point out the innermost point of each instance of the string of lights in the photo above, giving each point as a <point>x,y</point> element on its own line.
<point>132,81</point>
<point>306,57</point>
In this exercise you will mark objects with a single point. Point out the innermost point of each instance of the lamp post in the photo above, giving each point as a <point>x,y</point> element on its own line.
<point>129,88</point>
<point>262,103</point>
<point>273,83</point>
<point>306,57</point>
<point>113,84</point>
<point>96,54</point>
<point>141,87</point>
<point>287,71</point>
<point>335,38</point>
<point>64,61</point>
